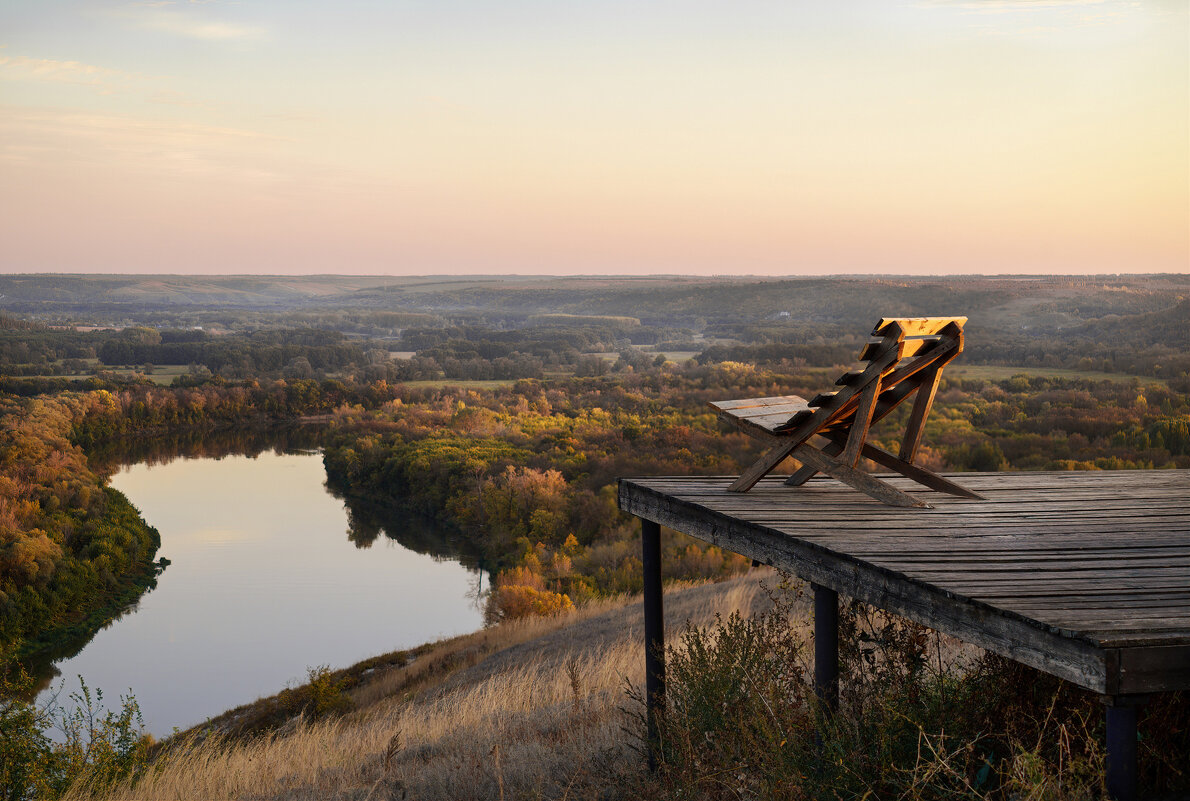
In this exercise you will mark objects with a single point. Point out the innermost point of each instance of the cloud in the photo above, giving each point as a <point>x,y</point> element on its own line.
<point>104,80</point>
<point>199,29</point>
<point>136,145</point>
<point>50,70</point>
<point>1007,6</point>
<point>163,16</point>
<point>23,68</point>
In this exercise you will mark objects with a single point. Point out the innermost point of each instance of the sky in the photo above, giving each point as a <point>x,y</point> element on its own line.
<point>779,137</point>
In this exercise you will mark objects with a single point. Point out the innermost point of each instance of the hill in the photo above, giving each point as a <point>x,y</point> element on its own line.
<point>528,709</point>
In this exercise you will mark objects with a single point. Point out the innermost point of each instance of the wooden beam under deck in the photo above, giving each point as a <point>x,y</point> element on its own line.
<point>1084,575</point>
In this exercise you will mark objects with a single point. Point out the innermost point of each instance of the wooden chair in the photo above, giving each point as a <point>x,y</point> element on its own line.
<point>906,355</point>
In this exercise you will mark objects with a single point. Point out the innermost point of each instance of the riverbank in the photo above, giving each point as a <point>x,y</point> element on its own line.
<point>528,708</point>
<point>84,599</point>
<point>551,708</point>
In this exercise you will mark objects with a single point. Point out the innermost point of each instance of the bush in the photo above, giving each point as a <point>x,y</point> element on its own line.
<point>326,694</point>
<point>99,747</point>
<point>515,601</point>
<point>26,754</point>
<point>742,721</point>
<point>321,696</point>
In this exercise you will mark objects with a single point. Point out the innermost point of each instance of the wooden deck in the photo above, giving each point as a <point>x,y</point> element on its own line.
<point>1085,575</point>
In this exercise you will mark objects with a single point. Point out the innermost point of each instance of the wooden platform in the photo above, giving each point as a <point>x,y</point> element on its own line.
<point>1085,575</point>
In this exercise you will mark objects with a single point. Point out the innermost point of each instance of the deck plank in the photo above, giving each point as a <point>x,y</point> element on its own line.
<point>1081,574</point>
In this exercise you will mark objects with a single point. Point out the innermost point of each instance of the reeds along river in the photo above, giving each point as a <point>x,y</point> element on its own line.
<point>269,575</point>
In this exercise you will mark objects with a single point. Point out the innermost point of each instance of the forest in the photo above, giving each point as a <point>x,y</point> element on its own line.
<point>524,465</point>
<point>506,410</point>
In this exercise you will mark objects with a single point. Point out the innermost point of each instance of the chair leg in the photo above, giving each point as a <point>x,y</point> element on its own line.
<point>922,476</point>
<point>762,467</point>
<point>865,483</point>
<point>801,476</point>
<point>805,473</point>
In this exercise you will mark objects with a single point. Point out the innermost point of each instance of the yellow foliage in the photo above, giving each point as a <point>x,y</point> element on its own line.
<point>523,576</point>
<point>571,546</point>
<point>516,601</point>
<point>561,565</point>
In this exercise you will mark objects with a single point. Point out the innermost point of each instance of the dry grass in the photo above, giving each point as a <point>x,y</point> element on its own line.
<point>533,709</point>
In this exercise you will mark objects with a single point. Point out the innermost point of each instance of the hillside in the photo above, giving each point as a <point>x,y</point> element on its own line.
<point>1010,303</point>
<point>510,327</point>
<point>528,709</point>
<point>550,708</point>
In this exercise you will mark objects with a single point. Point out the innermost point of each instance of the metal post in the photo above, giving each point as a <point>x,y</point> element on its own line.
<point>654,632</point>
<point>1121,749</point>
<point>826,645</point>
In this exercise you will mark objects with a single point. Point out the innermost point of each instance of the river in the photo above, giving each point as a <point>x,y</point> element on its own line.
<point>269,576</point>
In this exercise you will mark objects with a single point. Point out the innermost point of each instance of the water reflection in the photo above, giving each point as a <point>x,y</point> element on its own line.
<point>264,583</point>
<point>367,521</point>
<point>197,444</point>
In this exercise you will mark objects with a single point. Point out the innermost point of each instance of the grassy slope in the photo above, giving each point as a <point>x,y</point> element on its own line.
<point>528,709</point>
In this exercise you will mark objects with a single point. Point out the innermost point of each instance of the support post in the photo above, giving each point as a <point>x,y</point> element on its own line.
<point>654,632</point>
<point>826,645</point>
<point>1121,748</point>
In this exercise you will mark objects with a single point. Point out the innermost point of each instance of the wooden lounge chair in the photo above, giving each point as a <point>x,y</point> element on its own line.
<point>906,355</point>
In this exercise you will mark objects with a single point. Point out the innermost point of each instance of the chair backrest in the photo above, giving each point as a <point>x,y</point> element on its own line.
<point>917,333</point>
<point>903,353</point>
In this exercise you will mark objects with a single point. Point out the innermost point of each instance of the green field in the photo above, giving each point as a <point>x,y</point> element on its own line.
<point>438,383</point>
<point>997,373</point>
<point>679,356</point>
<point>162,374</point>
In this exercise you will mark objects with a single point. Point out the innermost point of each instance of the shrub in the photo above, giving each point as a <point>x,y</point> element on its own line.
<point>742,721</point>
<point>515,601</point>
<point>326,694</point>
<point>26,754</point>
<point>99,747</point>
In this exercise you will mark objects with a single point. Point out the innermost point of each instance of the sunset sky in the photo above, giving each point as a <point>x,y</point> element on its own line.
<point>546,136</point>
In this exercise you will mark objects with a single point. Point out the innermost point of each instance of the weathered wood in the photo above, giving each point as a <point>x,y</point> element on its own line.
<point>831,412</point>
<point>748,412</point>
<point>1012,636</point>
<point>749,403</point>
<point>898,365</point>
<point>918,326</point>
<point>877,350</point>
<point>1056,570</point>
<point>864,482</point>
<point>911,346</point>
<point>762,467</point>
<point>922,476</point>
<point>917,418</point>
<point>1160,668</point>
<point>859,426</point>
<point>805,472</point>
<point>767,422</point>
<point>765,414</point>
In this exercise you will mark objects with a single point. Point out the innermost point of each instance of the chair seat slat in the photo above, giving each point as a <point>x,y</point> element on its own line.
<point>786,409</point>
<point>748,403</point>
<point>768,422</point>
